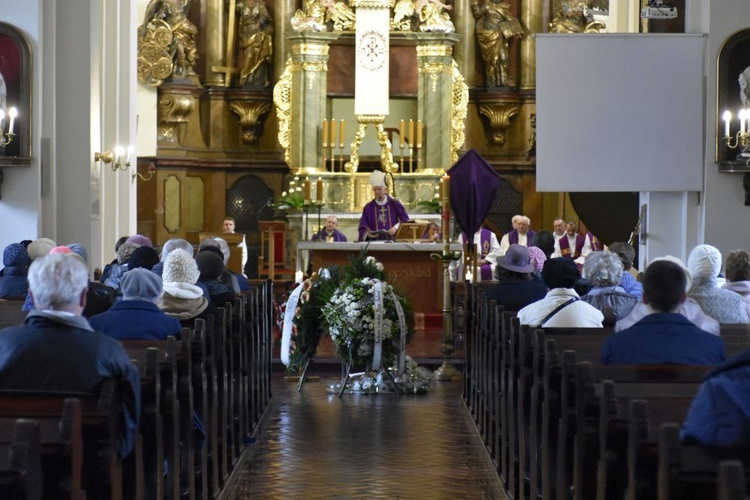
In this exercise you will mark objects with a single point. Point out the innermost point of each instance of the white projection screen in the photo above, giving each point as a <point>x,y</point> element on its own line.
<point>620,112</point>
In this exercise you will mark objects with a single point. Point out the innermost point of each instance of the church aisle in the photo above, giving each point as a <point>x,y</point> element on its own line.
<point>315,445</point>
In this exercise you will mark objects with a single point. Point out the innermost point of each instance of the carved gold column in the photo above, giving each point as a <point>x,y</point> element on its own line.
<point>283,10</point>
<point>308,71</point>
<point>215,40</point>
<point>465,51</point>
<point>531,20</point>
<point>436,96</point>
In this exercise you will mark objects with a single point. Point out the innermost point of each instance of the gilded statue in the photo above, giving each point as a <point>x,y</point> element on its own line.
<point>575,17</point>
<point>340,14</point>
<point>495,27</point>
<point>403,13</point>
<point>255,41</point>
<point>311,17</point>
<point>166,26</point>
<point>432,16</point>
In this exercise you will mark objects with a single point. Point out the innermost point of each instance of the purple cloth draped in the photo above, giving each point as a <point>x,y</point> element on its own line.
<point>513,237</point>
<point>322,235</point>
<point>381,217</point>
<point>565,246</point>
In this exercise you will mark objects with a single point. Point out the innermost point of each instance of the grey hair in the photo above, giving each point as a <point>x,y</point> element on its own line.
<point>224,246</point>
<point>174,244</point>
<point>57,280</point>
<point>602,269</point>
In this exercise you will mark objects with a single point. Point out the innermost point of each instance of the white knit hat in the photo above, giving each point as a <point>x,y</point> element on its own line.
<point>180,267</point>
<point>704,262</point>
<point>377,178</point>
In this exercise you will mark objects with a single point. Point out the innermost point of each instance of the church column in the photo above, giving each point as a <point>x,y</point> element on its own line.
<point>435,102</point>
<point>216,45</point>
<point>282,15</point>
<point>466,50</point>
<point>531,20</point>
<point>308,71</point>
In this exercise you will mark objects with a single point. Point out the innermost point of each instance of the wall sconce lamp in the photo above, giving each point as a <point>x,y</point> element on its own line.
<point>7,137</point>
<point>151,172</point>
<point>742,138</point>
<point>115,159</point>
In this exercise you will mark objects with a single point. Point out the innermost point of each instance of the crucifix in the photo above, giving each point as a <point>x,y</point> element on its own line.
<point>383,217</point>
<point>229,68</point>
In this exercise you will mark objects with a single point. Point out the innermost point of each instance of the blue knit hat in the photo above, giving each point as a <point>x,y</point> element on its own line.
<point>16,255</point>
<point>80,250</point>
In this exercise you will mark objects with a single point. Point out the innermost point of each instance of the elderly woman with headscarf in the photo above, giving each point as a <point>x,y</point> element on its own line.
<point>603,270</point>
<point>516,287</point>
<point>704,264</point>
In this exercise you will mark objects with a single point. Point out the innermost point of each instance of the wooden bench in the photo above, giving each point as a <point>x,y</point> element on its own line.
<point>20,462</point>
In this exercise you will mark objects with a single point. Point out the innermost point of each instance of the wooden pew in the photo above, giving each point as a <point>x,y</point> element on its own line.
<point>689,471</point>
<point>101,433</point>
<point>732,481</point>
<point>20,462</point>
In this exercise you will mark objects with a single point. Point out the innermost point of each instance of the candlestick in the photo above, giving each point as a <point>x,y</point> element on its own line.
<point>341,134</point>
<point>307,191</point>
<point>319,190</point>
<point>446,214</point>
<point>333,133</point>
<point>469,276</point>
<point>401,134</point>
<point>325,133</point>
<point>411,134</point>
<point>419,133</point>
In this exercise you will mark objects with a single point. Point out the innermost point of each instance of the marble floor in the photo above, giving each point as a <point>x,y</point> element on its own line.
<point>311,444</point>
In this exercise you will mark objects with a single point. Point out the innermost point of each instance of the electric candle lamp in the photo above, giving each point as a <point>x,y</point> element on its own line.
<point>307,190</point>
<point>419,133</point>
<point>319,190</point>
<point>341,134</point>
<point>325,133</point>
<point>411,133</point>
<point>333,132</point>
<point>727,116</point>
<point>12,113</point>
<point>401,130</point>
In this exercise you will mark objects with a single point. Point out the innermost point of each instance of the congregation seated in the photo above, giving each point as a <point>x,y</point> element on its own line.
<point>171,244</point>
<point>221,248</point>
<point>720,413</point>
<point>516,287</point>
<point>13,281</point>
<point>108,268</point>
<point>664,336</point>
<point>545,241</point>
<point>603,271</point>
<point>626,253</point>
<point>561,307</point>
<point>237,281</point>
<point>538,258</point>
<point>723,305</point>
<point>55,349</point>
<point>116,270</point>
<point>182,299</point>
<point>688,308</point>
<point>738,275</point>
<point>136,316</point>
<point>212,269</point>
<point>143,258</point>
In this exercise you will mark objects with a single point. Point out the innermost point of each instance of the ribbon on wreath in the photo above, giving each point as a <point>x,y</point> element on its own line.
<point>286,335</point>
<point>377,352</point>
<point>402,339</point>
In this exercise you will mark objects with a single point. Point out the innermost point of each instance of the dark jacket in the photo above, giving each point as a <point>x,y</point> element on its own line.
<point>218,292</point>
<point>515,293</point>
<point>663,338</point>
<point>13,282</point>
<point>60,353</point>
<point>720,412</point>
<point>612,301</point>
<point>136,320</point>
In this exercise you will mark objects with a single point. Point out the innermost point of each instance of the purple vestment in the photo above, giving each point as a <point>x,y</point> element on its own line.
<point>513,237</point>
<point>565,246</point>
<point>381,217</point>
<point>322,235</point>
<point>485,245</point>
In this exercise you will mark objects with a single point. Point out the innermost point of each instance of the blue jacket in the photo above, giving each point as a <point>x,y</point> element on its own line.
<point>136,320</point>
<point>720,412</point>
<point>13,282</point>
<point>62,353</point>
<point>663,338</point>
<point>515,294</point>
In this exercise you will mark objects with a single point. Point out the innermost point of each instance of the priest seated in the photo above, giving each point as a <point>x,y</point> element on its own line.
<point>329,233</point>
<point>381,216</point>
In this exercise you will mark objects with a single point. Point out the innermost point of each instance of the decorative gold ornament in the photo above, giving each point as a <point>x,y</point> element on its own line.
<point>154,60</point>
<point>310,49</point>
<point>282,99</point>
<point>249,113</point>
<point>499,115</point>
<point>460,106</point>
<point>434,50</point>
<point>173,110</point>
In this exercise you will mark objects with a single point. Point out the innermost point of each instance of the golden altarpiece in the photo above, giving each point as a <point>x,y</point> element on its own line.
<point>249,100</point>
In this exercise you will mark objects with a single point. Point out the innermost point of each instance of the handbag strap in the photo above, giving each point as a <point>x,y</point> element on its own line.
<point>558,309</point>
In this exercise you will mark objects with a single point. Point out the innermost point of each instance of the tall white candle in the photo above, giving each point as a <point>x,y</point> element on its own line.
<point>727,118</point>
<point>12,113</point>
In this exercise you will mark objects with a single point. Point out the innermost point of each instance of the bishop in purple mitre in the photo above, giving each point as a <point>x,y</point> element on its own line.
<point>382,216</point>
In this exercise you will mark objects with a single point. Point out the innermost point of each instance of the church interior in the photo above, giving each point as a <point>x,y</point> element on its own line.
<point>164,118</point>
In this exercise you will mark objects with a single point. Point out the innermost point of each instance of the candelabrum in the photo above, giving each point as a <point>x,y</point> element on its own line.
<point>7,137</point>
<point>115,161</point>
<point>446,372</point>
<point>741,139</point>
